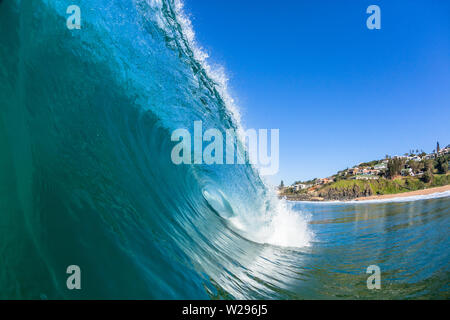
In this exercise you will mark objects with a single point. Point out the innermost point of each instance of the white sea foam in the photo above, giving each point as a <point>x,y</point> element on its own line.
<point>281,227</point>
<point>215,72</point>
<point>287,228</point>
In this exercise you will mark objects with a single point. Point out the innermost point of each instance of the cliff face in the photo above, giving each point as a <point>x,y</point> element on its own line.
<point>346,193</point>
<point>334,193</point>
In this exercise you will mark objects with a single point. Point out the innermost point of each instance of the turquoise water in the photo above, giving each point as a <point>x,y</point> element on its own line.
<point>86,178</point>
<point>408,240</point>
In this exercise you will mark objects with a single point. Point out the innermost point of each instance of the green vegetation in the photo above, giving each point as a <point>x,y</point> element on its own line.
<point>415,171</point>
<point>348,189</point>
<point>416,166</point>
<point>427,177</point>
<point>369,164</point>
<point>394,167</point>
<point>442,164</point>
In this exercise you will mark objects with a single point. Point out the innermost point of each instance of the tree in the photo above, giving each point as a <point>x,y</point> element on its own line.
<point>281,184</point>
<point>414,165</point>
<point>442,165</point>
<point>427,177</point>
<point>437,147</point>
<point>428,168</point>
<point>394,167</point>
<point>428,165</point>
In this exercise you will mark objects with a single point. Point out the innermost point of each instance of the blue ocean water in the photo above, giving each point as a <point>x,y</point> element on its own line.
<point>86,178</point>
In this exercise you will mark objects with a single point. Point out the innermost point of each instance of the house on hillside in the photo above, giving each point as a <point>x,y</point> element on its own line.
<point>407,172</point>
<point>323,181</point>
<point>444,151</point>
<point>380,166</point>
<point>363,171</point>
<point>301,186</point>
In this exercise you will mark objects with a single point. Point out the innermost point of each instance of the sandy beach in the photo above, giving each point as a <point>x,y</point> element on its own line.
<point>407,194</point>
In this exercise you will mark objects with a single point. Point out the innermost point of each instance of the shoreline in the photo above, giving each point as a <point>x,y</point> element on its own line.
<point>409,194</point>
<point>423,192</point>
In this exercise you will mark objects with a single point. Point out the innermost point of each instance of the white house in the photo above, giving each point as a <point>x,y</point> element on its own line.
<point>380,166</point>
<point>407,172</point>
<point>300,186</point>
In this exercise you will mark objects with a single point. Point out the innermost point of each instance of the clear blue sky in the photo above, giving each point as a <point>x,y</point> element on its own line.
<point>339,93</point>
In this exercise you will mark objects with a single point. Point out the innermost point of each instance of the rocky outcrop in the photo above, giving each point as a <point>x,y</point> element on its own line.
<point>333,193</point>
<point>349,193</point>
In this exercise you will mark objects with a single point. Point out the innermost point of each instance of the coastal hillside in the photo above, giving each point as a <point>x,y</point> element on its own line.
<point>392,175</point>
